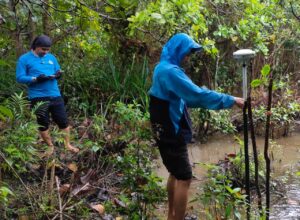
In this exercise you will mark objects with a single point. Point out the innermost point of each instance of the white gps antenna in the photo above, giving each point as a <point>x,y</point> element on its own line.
<point>244,56</point>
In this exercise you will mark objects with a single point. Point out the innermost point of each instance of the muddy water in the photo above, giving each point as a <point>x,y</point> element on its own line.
<point>285,154</point>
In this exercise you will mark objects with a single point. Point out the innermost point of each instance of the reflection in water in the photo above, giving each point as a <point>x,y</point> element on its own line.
<point>290,208</point>
<point>285,154</point>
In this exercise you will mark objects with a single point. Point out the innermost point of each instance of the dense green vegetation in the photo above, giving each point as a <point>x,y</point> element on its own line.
<point>107,50</point>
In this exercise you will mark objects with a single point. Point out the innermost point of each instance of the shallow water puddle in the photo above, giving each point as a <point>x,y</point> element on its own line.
<point>285,156</point>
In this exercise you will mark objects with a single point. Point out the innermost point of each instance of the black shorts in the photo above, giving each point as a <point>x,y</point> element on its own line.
<point>50,105</point>
<point>176,159</point>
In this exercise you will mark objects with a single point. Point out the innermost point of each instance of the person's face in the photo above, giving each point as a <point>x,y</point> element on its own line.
<point>189,61</point>
<point>186,63</point>
<point>42,51</point>
<point>187,58</point>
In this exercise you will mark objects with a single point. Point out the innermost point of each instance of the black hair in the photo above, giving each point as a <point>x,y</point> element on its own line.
<point>41,41</point>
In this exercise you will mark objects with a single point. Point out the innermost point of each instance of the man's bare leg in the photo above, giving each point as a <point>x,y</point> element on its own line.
<point>46,137</point>
<point>181,198</point>
<point>171,190</point>
<point>67,140</point>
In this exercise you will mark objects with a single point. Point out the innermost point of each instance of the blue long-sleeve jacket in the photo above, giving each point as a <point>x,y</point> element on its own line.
<point>30,65</point>
<point>172,90</point>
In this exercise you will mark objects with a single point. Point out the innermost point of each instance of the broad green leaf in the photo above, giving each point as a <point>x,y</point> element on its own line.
<point>5,191</point>
<point>109,9</point>
<point>235,190</point>
<point>256,83</point>
<point>266,70</point>
<point>229,189</point>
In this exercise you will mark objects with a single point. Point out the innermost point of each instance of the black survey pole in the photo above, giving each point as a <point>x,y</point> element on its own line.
<point>247,166</point>
<point>254,146</point>
<point>255,154</point>
<point>244,56</point>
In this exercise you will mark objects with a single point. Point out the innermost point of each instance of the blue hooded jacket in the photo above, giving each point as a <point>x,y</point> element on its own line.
<point>172,91</point>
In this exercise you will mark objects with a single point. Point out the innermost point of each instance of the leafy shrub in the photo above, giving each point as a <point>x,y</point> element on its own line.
<point>221,198</point>
<point>18,138</point>
<point>135,164</point>
<point>206,122</point>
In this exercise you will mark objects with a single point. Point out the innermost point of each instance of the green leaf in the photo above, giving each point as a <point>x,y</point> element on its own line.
<point>95,148</point>
<point>5,191</point>
<point>112,2</point>
<point>298,173</point>
<point>6,112</point>
<point>228,210</point>
<point>109,9</point>
<point>2,118</point>
<point>3,63</point>
<point>229,189</point>
<point>235,190</point>
<point>266,70</point>
<point>237,214</point>
<point>156,16</point>
<point>256,83</point>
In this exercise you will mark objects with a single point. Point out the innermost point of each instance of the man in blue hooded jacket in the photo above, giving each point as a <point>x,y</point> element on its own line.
<point>39,70</point>
<point>171,93</point>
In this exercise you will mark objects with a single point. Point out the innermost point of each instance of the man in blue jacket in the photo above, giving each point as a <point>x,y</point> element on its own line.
<point>39,70</point>
<point>170,95</point>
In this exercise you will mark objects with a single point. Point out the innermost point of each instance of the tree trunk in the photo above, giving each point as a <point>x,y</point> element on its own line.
<point>46,23</point>
<point>16,33</point>
<point>32,27</point>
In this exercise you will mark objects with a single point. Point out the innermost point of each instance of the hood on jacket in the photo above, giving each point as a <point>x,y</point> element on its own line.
<point>178,47</point>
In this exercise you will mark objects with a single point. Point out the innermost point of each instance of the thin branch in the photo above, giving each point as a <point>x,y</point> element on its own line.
<point>28,7</point>
<point>294,13</point>
<point>218,9</point>
<point>110,18</point>
<point>67,32</point>
<point>266,148</point>
<point>151,34</point>
<point>56,9</point>
<point>51,184</point>
<point>101,14</point>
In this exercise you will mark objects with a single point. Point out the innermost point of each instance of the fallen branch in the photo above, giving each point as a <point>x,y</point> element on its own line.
<point>59,199</point>
<point>51,184</point>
